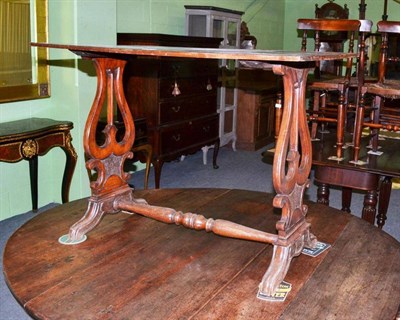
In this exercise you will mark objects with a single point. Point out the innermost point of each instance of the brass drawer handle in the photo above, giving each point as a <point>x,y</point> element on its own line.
<point>176,91</point>
<point>176,137</point>
<point>176,109</point>
<point>209,86</point>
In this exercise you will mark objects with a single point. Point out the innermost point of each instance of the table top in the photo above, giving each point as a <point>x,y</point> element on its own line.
<point>205,53</point>
<point>387,164</point>
<point>135,267</point>
<point>28,128</point>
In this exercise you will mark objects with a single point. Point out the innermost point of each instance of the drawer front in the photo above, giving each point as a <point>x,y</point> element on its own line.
<point>188,134</point>
<point>185,109</point>
<point>11,152</point>
<point>205,129</point>
<point>188,86</point>
<point>173,68</point>
<point>175,138</point>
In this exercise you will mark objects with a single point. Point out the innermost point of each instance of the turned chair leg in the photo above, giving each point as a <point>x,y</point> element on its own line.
<point>314,124</point>
<point>358,126</point>
<point>346,199</point>
<point>384,197</point>
<point>369,209</point>
<point>378,101</point>
<point>323,194</point>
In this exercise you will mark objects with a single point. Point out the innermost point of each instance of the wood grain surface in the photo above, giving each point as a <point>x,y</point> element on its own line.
<point>132,267</point>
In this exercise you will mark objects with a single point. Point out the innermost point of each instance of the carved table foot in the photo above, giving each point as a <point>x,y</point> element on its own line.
<point>280,263</point>
<point>97,207</point>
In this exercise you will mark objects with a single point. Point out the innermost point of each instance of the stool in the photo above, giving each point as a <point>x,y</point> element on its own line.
<point>28,139</point>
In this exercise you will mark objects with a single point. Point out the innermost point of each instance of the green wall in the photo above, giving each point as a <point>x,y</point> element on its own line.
<point>167,16</point>
<point>73,81</point>
<point>72,92</point>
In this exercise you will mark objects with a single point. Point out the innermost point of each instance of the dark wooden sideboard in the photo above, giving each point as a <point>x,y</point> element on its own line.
<point>179,122</point>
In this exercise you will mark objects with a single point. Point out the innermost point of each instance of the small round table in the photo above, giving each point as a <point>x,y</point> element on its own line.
<point>132,267</point>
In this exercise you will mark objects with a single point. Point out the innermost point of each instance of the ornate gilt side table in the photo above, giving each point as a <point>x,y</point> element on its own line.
<point>27,139</point>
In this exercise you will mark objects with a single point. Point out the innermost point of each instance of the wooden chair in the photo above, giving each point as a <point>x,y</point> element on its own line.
<point>322,85</point>
<point>332,41</point>
<point>384,89</point>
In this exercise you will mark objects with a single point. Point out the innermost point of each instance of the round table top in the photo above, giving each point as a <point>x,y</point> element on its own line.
<point>132,267</point>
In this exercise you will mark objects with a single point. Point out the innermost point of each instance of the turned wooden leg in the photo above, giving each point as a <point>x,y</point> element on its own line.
<point>346,199</point>
<point>323,107</point>
<point>358,126</point>
<point>384,198</point>
<point>314,124</point>
<point>323,194</point>
<point>369,209</point>
<point>375,119</point>
<point>340,125</point>
<point>278,114</point>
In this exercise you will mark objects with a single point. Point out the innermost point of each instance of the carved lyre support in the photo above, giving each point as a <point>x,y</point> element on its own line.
<point>290,178</point>
<point>107,159</point>
<point>111,192</point>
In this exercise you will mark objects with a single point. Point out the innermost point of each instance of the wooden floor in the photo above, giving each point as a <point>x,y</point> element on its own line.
<point>132,267</point>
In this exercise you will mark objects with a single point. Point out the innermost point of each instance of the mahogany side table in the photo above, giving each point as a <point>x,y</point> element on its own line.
<point>27,139</point>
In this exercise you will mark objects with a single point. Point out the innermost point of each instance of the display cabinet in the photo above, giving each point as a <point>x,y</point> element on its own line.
<point>208,21</point>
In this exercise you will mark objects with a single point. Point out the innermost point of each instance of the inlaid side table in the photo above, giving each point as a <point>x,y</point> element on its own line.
<point>27,139</point>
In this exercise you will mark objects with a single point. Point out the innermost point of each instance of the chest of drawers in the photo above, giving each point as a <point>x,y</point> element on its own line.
<point>176,97</point>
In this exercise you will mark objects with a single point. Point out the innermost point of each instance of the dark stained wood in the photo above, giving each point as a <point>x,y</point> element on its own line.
<point>177,124</point>
<point>373,174</point>
<point>27,139</point>
<point>386,164</point>
<point>135,267</point>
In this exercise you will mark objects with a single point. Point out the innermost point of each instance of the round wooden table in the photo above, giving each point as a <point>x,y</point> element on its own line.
<point>132,267</point>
